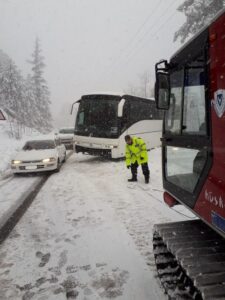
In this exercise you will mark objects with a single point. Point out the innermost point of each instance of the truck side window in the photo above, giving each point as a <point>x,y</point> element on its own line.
<point>173,115</point>
<point>194,102</point>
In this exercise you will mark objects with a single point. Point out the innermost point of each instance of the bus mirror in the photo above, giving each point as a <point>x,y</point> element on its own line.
<point>162,90</point>
<point>71,111</point>
<point>120,108</point>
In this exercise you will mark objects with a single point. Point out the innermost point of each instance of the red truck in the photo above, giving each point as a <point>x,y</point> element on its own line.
<point>190,88</point>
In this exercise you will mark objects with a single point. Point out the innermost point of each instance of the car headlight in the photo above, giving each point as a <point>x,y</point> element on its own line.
<point>16,162</point>
<point>46,160</point>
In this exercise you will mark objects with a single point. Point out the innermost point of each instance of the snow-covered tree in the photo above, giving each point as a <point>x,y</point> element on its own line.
<point>29,98</point>
<point>12,92</point>
<point>4,80</point>
<point>145,83</point>
<point>17,96</point>
<point>198,13</point>
<point>145,87</point>
<point>40,91</point>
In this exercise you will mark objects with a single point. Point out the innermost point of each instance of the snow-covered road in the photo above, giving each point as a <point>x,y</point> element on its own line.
<point>87,235</point>
<point>13,190</point>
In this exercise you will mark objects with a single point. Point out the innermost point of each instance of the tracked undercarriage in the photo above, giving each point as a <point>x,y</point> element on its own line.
<point>190,259</point>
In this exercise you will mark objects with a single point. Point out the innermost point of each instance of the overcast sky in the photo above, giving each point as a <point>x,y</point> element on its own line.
<point>89,45</point>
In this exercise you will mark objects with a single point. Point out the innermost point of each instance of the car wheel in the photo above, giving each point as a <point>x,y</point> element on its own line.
<point>58,166</point>
<point>16,174</point>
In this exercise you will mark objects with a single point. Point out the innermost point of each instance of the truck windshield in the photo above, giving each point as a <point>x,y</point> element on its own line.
<point>97,117</point>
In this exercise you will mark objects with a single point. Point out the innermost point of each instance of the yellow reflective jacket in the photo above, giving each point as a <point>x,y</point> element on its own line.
<point>136,152</point>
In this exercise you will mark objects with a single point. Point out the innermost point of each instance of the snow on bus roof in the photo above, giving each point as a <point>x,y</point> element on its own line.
<point>105,93</point>
<point>116,94</point>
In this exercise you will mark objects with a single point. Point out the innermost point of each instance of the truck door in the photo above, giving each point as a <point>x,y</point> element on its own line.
<point>186,133</point>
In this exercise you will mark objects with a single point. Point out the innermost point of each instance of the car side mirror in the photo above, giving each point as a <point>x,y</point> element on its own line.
<point>162,90</point>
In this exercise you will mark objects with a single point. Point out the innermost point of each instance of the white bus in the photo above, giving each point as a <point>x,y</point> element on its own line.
<point>103,120</point>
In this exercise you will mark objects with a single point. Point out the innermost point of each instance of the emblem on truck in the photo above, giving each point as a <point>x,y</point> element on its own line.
<point>219,102</point>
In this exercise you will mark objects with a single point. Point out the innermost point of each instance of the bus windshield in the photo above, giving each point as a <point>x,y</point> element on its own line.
<point>97,117</point>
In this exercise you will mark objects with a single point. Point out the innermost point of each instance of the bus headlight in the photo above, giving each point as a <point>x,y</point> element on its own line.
<point>112,147</point>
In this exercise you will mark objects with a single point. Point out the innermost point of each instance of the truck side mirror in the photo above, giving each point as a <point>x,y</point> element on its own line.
<point>162,90</point>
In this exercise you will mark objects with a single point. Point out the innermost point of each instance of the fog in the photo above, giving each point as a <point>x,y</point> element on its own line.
<point>89,46</point>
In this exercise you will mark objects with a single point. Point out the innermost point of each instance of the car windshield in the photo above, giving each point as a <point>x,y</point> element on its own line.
<point>66,130</point>
<point>39,145</point>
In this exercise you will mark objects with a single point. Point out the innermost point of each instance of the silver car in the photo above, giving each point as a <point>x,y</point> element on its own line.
<point>66,135</point>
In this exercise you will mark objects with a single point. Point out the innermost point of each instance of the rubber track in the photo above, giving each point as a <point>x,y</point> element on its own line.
<point>190,260</point>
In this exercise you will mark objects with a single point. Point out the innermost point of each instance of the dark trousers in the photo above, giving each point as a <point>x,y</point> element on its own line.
<point>144,167</point>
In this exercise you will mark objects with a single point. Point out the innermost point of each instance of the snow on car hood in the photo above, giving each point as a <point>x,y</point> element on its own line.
<point>35,154</point>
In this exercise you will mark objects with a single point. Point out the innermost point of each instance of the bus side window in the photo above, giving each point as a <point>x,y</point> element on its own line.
<point>141,111</point>
<point>134,113</point>
<point>81,118</point>
<point>125,118</point>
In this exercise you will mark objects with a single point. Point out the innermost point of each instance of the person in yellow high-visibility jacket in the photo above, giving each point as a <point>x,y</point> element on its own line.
<point>136,154</point>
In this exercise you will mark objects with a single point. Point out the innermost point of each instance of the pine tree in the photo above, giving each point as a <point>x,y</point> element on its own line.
<point>17,96</point>
<point>40,91</point>
<point>144,89</point>
<point>29,97</point>
<point>12,93</point>
<point>5,62</point>
<point>198,13</point>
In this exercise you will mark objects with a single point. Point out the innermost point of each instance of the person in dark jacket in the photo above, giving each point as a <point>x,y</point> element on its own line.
<point>136,154</point>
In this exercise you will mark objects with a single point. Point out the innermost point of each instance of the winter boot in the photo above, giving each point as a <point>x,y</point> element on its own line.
<point>146,179</point>
<point>133,179</point>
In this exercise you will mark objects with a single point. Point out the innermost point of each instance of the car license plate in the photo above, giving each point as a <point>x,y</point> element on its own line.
<point>31,167</point>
